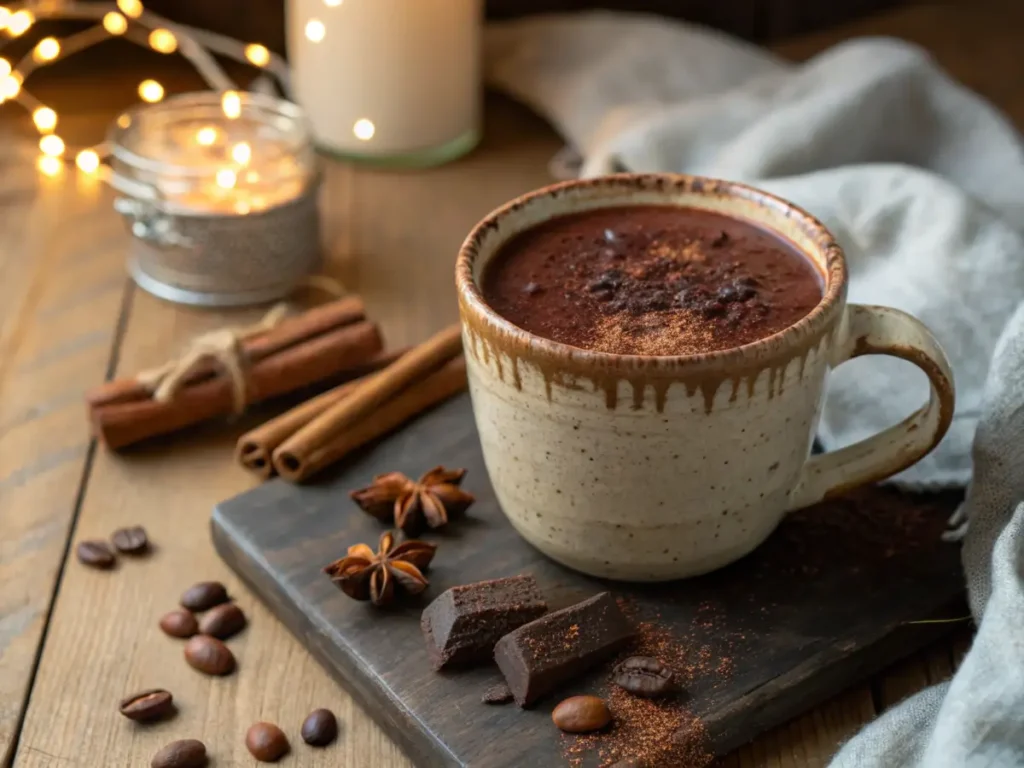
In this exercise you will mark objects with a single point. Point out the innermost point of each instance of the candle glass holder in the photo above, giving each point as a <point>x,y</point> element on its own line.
<point>389,82</point>
<point>220,193</point>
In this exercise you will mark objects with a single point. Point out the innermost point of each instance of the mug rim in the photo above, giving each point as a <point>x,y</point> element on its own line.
<point>810,327</point>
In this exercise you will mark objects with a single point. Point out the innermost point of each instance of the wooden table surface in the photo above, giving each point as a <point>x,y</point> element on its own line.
<point>73,641</point>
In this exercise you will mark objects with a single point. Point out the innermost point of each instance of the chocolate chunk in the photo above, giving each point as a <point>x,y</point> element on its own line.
<point>463,624</point>
<point>606,281</point>
<point>497,694</point>
<point>540,656</point>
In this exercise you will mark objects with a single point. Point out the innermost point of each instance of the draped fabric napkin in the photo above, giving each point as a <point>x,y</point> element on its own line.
<point>922,182</point>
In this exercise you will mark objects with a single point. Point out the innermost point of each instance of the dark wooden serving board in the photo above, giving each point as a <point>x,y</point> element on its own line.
<point>821,605</point>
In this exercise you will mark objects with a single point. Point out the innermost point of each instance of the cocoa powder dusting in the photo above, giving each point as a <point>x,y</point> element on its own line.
<point>649,733</point>
<point>875,541</point>
<point>653,280</point>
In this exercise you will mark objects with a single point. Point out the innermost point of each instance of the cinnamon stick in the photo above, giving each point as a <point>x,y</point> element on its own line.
<point>420,361</point>
<point>296,460</point>
<point>300,365</point>
<point>255,448</point>
<point>289,332</point>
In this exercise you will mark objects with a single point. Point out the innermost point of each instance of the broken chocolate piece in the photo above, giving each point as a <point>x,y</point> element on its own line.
<point>463,624</point>
<point>540,656</point>
<point>497,694</point>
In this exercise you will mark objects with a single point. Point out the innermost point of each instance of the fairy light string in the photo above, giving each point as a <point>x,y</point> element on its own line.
<point>130,20</point>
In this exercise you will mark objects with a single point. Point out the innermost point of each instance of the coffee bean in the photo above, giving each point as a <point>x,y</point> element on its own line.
<point>147,705</point>
<point>130,541</point>
<point>222,621</point>
<point>643,676</point>
<point>498,694</point>
<point>208,654</point>
<point>581,714</point>
<point>204,595</point>
<point>95,554</point>
<point>320,728</point>
<point>187,753</point>
<point>179,623</point>
<point>266,742</point>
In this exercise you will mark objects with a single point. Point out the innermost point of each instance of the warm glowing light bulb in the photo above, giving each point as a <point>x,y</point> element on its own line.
<point>151,91</point>
<point>50,166</point>
<point>332,3</point>
<point>315,30</point>
<point>207,136</point>
<point>231,103</point>
<point>88,161</point>
<point>226,178</point>
<point>19,22</point>
<point>10,86</point>
<point>5,16</point>
<point>46,49</point>
<point>241,153</point>
<point>124,120</point>
<point>44,118</point>
<point>364,129</point>
<point>163,41</point>
<point>115,23</point>
<point>251,177</point>
<point>5,67</point>
<point>52,145</point>
<point>130,8</point>
<point>257,54</point>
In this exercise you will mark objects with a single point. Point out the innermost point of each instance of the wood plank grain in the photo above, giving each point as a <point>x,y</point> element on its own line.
<point>60,299</point>
<point>812,739</point>
<point>393,237</point>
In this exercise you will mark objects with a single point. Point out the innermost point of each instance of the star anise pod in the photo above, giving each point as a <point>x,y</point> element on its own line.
<point>431,500</point>
<point>376,576</point>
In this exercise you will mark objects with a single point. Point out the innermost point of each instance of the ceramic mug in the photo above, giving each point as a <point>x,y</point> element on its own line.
<point>650,468</point>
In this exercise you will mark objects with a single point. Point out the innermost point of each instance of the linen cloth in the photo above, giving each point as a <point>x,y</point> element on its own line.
<point>922,182</point>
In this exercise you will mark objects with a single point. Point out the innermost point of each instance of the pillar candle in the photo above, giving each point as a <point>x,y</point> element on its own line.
<point>392,81</point>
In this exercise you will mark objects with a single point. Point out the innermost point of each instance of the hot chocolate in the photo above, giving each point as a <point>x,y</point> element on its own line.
<point>651,280</point>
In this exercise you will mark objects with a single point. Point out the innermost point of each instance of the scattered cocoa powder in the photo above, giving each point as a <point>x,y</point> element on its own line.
<point>876,539</point>
<point>654,732</point>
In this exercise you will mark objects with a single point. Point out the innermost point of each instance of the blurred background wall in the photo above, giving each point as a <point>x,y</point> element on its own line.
<point>760,20</point>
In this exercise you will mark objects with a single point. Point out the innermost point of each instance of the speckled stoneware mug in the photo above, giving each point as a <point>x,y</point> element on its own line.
<point>652,468</point>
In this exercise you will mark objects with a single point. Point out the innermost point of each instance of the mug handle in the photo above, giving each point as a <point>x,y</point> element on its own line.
<point>883,331</point>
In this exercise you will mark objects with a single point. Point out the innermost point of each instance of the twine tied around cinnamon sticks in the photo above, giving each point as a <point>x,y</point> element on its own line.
<point>223,348</point>
<point>328,343</point>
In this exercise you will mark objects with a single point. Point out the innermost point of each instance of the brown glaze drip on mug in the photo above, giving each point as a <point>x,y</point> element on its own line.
<point>651,280</point>
<point>555,369</point>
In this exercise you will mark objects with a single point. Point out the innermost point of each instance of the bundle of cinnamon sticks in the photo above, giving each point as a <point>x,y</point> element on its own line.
<point>331,341</point>
<point>320,432</point>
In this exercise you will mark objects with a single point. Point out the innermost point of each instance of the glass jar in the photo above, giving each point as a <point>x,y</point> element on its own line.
<point>392,82</point>
<point>220,193</point>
